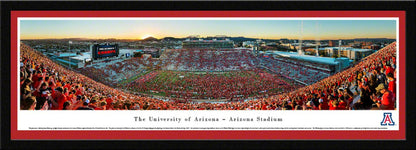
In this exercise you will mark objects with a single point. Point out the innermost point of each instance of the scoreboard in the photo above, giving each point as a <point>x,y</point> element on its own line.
<point>102,51</point>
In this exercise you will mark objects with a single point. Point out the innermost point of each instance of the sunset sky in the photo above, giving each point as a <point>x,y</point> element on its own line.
<point>266,29</point>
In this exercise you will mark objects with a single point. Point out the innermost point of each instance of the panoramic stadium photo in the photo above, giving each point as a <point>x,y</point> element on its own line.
<point>207,64</point>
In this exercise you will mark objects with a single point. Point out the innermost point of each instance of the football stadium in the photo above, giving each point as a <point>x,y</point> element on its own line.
<point>206,75</point>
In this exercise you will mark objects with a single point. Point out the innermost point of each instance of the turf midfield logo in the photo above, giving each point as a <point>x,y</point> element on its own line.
<point>387,120</point>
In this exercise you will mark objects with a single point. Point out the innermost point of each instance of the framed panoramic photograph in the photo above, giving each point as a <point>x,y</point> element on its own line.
<point>207,75</point>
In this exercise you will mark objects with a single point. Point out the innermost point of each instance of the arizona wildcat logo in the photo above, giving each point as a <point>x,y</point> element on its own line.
<point>387,120</point>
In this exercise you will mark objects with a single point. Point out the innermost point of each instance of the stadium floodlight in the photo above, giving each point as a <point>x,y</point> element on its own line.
<point>69,49</point>
<point>317,39</point>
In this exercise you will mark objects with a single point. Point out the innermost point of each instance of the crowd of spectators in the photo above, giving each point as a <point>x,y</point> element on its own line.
<point>45,85</point>
<point>369,84</point>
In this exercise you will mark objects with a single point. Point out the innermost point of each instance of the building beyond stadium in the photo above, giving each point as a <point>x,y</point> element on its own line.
<point>208,43</point>
<point>349,52</point>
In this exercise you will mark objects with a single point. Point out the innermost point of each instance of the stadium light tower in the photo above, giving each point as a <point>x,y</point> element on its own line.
<point>300,40</point>
<point>69,49</point>
<point>318,43</point>
<point>317,48</point>
<point>339,49</point>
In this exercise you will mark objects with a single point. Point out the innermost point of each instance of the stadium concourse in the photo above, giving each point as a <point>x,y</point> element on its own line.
<point>368,84</point>
<point>110,73</point>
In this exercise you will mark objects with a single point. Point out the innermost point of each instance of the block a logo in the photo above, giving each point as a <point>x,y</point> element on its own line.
<point>387,120</point>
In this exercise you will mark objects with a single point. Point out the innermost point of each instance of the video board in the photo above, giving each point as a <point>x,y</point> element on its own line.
<point>102,51</point>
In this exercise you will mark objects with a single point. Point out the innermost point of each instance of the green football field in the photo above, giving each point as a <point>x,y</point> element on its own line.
<point>212,85</point>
